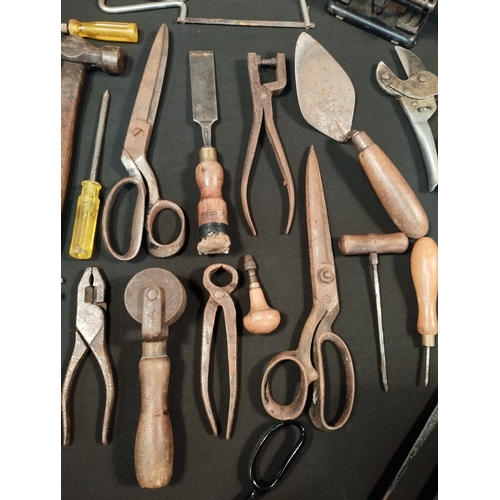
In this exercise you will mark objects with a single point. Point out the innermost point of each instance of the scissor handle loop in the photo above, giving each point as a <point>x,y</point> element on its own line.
<point>317,408</point>
<point>264,486</point>
<point>154,247</point>
<point>307,376</point>
<point>137,219</point>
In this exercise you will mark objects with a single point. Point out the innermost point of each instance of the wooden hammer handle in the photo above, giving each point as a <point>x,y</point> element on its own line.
<point>363,244</point>
<point>391,188</point>
<point>154,443</point>
<point>72,77</point>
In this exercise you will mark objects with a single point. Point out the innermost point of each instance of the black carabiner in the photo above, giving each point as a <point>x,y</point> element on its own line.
<point>262,487</point>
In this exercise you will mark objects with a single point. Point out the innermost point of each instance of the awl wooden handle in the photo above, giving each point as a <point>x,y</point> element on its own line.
<point>424,272</point>
<point>363,244</point>
<point>396,196</point>
<point>212,209</point>
<point>154,443</point>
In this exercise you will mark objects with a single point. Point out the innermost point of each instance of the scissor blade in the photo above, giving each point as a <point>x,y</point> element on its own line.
<point>411,63</point>
<point>323,276</point>
<point>148,95</point>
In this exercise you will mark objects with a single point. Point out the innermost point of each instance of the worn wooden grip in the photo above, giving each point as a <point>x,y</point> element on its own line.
<point>424,272</point>
<point>396,196</point>
<point>261,319</point>
<point>211,207</point>
<point>72,78</point>
<point>362,244</point>
<point>154,443</point>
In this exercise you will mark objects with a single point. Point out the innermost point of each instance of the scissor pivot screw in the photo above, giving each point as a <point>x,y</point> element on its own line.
<point>326,275</point>
<point>138,132</point>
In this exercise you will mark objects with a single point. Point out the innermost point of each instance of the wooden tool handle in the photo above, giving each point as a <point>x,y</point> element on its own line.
<point>154,443</point>
<point>396,196</point>
<point>72,78</point>
<point>212,209</point>
<point>424,272</point>
<point>362,244</point>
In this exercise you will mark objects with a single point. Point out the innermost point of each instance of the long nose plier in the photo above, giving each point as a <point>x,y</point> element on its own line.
<point>90,334</point>
<point>417,98</point>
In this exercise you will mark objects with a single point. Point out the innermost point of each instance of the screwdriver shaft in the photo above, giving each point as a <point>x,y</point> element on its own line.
<point>103,113</point>
<point>383,365</point>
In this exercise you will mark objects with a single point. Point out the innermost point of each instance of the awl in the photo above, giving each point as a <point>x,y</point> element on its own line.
<point>326,99</point>
<point>212,209</point>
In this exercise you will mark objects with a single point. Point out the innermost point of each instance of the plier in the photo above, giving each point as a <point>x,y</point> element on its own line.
<point>220,297</point>
<point>417,98</point>
<point>263,112</point>
<point>90,334</point>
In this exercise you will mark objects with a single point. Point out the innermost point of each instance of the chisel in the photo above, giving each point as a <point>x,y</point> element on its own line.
<point>212,209</point>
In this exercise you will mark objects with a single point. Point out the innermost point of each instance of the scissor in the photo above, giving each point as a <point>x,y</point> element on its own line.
<point>134,160</point>
<point>317,329</point>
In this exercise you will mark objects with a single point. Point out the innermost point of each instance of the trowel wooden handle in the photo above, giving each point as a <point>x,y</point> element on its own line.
<point>212,209</point>
<point>362,244</point>
<point>154,443</point>
<point>396,196</point>
<point>424,272</point>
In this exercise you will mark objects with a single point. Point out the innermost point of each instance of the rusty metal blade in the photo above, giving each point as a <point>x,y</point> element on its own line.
<point>325,93</point>
<point>148,95</point>
<point>323,275</point>
<point>203,93</point>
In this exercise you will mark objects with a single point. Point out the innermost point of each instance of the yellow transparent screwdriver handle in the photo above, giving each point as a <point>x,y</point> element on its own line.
<point>87,209</point>
<point>104,30</point>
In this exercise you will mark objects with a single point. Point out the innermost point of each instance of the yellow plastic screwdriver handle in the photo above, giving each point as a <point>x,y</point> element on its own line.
<point>87,209</point>
<point>104,30</point>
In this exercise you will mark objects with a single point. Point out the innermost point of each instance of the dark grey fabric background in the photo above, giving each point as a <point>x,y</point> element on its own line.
<point>358,461</point>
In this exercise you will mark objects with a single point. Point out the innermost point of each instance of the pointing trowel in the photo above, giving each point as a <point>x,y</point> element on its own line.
<point>326,98</point>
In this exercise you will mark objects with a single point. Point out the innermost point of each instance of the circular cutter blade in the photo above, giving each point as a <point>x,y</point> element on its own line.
<point>325,93</point>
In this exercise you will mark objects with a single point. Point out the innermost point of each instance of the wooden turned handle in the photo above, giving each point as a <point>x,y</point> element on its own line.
<point>424,272</point>
<point>212,209</point>
<point>396,196</point>
<point>261,319</point>
<point>362,244</point>
<point>154,443</point>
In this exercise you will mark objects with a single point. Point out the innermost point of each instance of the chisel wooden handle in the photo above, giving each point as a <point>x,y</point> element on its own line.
<point>212,209</point>
<point>363,244</point>
<point>424,272</point>
<point>396,196</point>
<point>154,443</point>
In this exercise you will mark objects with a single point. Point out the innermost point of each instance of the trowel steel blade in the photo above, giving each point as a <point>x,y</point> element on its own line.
<point>325,93</point>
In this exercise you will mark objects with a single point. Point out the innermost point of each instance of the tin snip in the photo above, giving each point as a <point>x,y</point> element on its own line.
<point>417,98</point>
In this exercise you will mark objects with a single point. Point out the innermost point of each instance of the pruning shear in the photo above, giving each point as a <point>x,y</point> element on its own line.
<point>417,98</point>
<point>134,160</point>
<point>317,329</point>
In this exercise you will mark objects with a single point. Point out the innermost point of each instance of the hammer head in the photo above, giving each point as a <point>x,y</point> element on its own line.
<point>109,58</point>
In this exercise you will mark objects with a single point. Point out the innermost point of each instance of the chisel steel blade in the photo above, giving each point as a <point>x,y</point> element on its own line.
<point>203,93</point>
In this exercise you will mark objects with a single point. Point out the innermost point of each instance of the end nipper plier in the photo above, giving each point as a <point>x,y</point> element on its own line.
<point>220,297</point>
<point>90,334</point>
<point>417,98</point>
<point>263,111</point>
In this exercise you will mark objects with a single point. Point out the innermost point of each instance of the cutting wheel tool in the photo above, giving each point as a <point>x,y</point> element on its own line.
<point>140,173</point>
<point>308,356</point>
<point>417,96</point>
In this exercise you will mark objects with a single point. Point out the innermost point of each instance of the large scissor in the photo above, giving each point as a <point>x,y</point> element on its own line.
<point>134,160</point>
<point>318,327</point>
